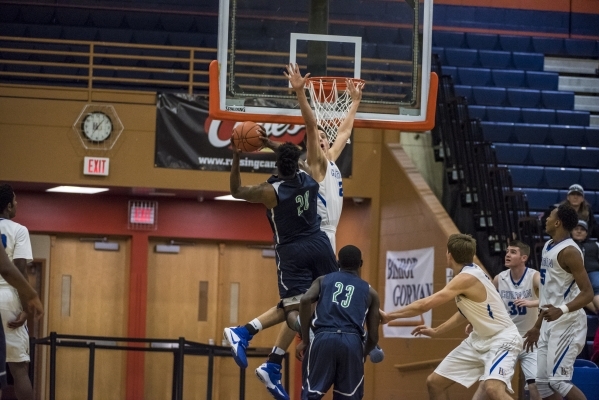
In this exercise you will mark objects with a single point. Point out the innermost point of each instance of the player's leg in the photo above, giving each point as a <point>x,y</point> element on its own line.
<point>269,373</point>
<point>349,374</point>
<point>319,366</point>
<point>496,390</point>
<point>437,386</point>
<point>22,384</point>
<point>480,392</point>
<point>528,364</point>
<point>500,363</point>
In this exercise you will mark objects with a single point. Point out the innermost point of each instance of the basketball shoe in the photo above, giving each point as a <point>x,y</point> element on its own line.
<point>270,374</point>
<point>238,338</point>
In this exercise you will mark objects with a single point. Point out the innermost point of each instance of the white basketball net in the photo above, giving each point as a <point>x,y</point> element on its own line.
<point>331,101</point>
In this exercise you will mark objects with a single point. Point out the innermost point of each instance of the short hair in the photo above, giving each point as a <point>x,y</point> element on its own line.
<point>287,156</point>
<point>7,195</point>
<point>568,216</point>
<point>524,248</point>
<point>350,257</point>
<point>462,248</point>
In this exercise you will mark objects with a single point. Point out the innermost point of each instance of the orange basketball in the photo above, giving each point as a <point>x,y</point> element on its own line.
<point>246,137</point>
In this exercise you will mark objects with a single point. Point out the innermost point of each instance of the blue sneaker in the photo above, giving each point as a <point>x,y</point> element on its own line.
<point>270,374</point>
<point>376,355</point>
<point>238,339</point>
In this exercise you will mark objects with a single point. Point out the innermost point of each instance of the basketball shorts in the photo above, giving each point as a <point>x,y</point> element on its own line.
<point>477,359</point>
<point>559,344</point>
<point>300,262</point>
<point>335,359</point>
<point>17,340</point>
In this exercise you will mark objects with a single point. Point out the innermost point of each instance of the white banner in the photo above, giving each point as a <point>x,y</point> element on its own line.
<point>409,278</point>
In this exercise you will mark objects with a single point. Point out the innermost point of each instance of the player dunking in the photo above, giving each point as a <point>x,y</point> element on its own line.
<point>561,327</point>
<point>303,251</point>
<point>336,354</point>
<point>518,287</point>
<point>489,353</point>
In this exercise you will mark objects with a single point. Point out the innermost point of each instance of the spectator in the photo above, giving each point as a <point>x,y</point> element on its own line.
<point>590,254</point>
<point>575,199</point>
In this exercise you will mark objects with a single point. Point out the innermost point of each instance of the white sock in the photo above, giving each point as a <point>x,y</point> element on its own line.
<point>256,324</point>
<point>278,350</point>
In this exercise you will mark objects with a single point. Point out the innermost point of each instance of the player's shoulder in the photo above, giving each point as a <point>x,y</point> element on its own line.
<point>12,225</point>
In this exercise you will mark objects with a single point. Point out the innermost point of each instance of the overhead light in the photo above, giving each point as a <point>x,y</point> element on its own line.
<point>106,246</point>
<point>76,189</point>
<point>167,248</point>
<point>228,197</point>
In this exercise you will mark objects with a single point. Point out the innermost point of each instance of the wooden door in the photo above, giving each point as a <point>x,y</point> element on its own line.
<point>88,296</point>
<point>182,302</point>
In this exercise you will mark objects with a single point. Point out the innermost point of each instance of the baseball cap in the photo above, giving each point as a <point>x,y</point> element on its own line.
<point>583,224</point>
<point>576,188</point>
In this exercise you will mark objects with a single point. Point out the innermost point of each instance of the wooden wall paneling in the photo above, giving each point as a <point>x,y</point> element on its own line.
<point>258,292</point>
<point>98,304</point>
<point>172,312</point>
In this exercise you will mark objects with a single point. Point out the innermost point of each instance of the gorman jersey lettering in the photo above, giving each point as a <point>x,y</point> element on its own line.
<point>510,290</point>
<point>295,215</point>
<point>487,317</point>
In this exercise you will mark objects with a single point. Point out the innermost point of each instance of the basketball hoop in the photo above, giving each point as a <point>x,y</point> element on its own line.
<point>331,101</point>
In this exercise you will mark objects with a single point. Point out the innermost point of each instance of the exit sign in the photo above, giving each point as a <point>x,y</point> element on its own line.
<point>96,166</point>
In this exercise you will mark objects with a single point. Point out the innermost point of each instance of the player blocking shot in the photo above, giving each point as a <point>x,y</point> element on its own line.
<point>489,353</point>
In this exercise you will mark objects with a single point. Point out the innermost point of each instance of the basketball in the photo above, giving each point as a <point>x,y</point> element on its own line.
<point>246,137</point>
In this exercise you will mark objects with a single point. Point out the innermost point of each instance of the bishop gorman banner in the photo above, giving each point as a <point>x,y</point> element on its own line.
<point>409,278</point>
<point>187,138</point>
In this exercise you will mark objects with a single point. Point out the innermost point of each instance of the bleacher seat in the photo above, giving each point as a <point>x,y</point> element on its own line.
<point>515,43</point>
<point>112,18</point>
<point>528,61</point>
<point>16,30</point>
<point>495,59</point>
<point>565,117</point>
<point>541,199</point>
<point>584,363</point>
<point>489,96</point>
<point>558,100</point>
<point>448,39</point>
<point>440,52</point>
<point>523,97</point>
<point>465,91</point>
<point>461,57</point>
<point>85,33</point>
<point>346,30</point>
<point>406,35</point>
<point>71,16</point>
<point>538,116</point>
<point>589,179</point>
<point>581,47</point>
<point>587,380</point>
<point>209,24</point>
<point>482,41</point>
<point>188,39</point>
<point>44,31</point>
<point>210,41</point>
<point>150,37</point>
<point>548,46</point>
<point>142,20</point>
<point>542,80</point>
<point>531,133</point>
<point>547,155</point>
<point>527,176</point>
<point>503,114</point>
<point>474,76</point>
<point>451,71</point>
<point>512,153</point>
<point>583,157</point>
<point>508,78</point>
<point>379,34</point>
<point>368,49</point>
<point>184,23</point>
<point>560,177</point>
<point>591,134</point>
<point>38,15</point>
<point>479,112</point>
<point>115,35</point>
<point>393,51</point>
<point>501,132</point>
<point>10,13</point>
<point>567,135</point>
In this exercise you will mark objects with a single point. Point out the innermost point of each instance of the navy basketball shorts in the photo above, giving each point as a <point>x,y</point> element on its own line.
<point>334,359</point>
<point>300,262</point>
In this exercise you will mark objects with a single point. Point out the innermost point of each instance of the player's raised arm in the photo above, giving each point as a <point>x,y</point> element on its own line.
<point>344,131</point>
<point>263,193</point>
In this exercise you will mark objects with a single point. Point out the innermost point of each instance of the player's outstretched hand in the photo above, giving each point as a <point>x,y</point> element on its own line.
<point>297,81</point>
<point>424,331</point>
<point>551,313</point>
<point>531,338</point>
<point>468,329</point>
<point>385,318</point>
<point>300,350</point>
<point>355,91</point>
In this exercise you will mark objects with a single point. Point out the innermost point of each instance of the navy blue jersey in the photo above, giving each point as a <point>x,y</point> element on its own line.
<point>343,303</point>
<point>295,216</point>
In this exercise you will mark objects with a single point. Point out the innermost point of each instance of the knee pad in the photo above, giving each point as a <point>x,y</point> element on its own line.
<point>544,389</point>
<point>561,387</point>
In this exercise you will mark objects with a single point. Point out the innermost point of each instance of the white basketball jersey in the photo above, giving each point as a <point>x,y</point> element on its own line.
<point>330,201</point>
<point>558,287</point>
<point>487,317</point>
<point>509,290</point>
<point>15,239</point>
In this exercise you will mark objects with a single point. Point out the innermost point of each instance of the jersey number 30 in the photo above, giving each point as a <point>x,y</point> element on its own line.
<point>349,289</point>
